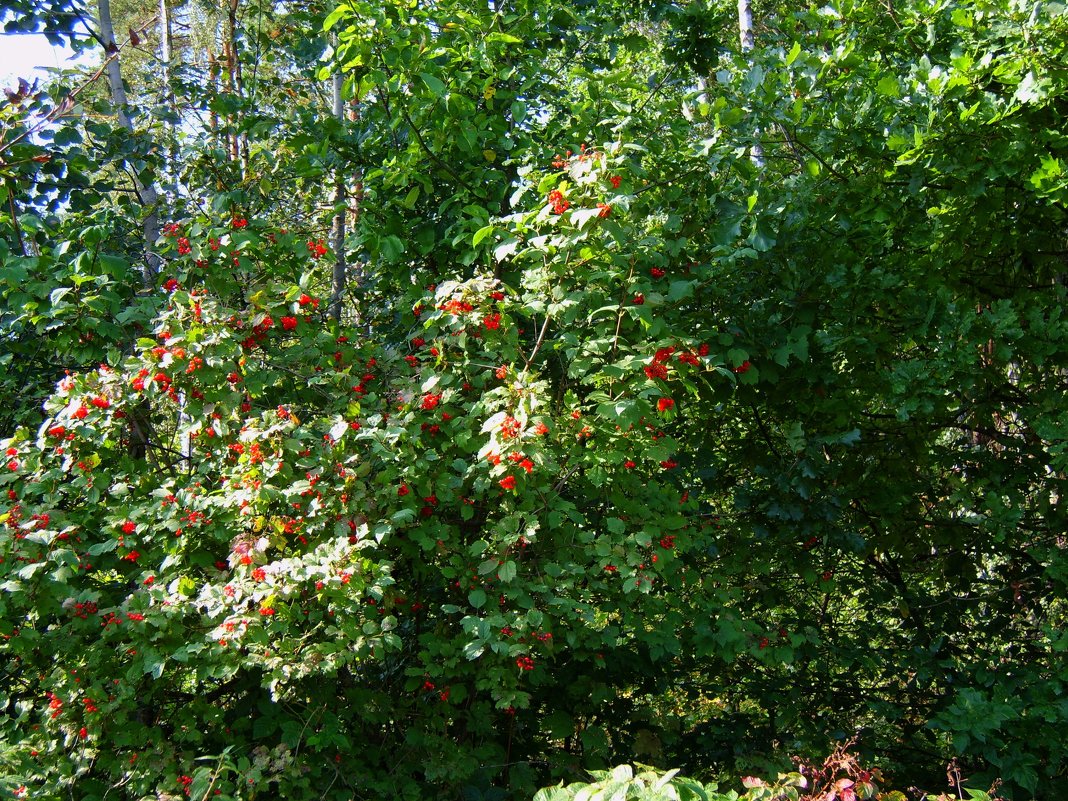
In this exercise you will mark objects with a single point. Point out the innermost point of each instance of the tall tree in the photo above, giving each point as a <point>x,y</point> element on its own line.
<point>146,191</point>
<point>339,278</point>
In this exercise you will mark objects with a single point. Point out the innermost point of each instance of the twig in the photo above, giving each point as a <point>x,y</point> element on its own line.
<point>426,148</point>
<point>619,313</point>
<point>68,102</point>
<point>667,181</point>
<point>537,345</point>
<point>307,723</point>
<point>793,140</point>
<point>764,431</point>
<point>214,778</point>
<point>563,480</point>
<point>655,90</point>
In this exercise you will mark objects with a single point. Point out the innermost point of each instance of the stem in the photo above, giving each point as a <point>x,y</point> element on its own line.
<point>619,313</point>
<point>764,431</point>
<point>219,767</point>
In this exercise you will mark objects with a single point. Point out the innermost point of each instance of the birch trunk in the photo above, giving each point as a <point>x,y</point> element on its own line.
<point>146,194</point>
<point>166,40</point>
<point>235,85</point>
<point>340,277</point>
<point>745,37</point>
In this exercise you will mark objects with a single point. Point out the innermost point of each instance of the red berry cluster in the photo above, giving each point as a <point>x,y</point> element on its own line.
<point>558,202</point>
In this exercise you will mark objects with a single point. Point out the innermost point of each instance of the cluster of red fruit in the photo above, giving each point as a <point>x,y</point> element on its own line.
<point>558,201</point>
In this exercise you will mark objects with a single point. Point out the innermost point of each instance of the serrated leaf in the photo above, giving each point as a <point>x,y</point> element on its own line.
<point>888,87</point>
<point>505,249</point>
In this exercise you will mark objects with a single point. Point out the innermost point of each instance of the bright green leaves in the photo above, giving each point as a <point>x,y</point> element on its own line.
<point>434,84</point>
<point>342,11</point>
<point>623,783</point>
<point>1050,179</point>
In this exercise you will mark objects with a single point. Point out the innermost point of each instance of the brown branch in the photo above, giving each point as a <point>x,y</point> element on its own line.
<point>62,108</point>
<point>537,345</point>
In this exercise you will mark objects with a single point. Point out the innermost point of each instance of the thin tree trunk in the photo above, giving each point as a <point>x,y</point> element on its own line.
<point>231,136</point>
<point>213,81</point>
<point>745,37</point>
<point>24,245</point>
<point>239,143</point>
<point>239,82</point>
<point>745,25</point>
<point>146,194</point>
<point>340,210</point>
<point>166,54</point>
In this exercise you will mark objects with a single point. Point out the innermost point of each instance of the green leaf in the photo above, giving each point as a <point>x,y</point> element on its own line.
<point>507,571</point>
<point>433,83</point>
<point>58,294</point>
<point>481,234</point>
<point>887,86</point>
<point>392,248</point>
<point>337,14</point>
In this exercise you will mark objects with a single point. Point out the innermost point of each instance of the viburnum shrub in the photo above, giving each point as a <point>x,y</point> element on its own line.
<point>267,533</point>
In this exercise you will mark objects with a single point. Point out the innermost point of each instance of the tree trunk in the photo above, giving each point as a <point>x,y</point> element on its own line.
<point>146,194</point>
<point>239,143</point>
<point>166,40</point>
<point>745,25</point>
<point>213,119</point>
<point>745,37</point>
<point>340,203</point>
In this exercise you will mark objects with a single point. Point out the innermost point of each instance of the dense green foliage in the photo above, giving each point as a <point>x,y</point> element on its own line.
<point>679,403</point>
